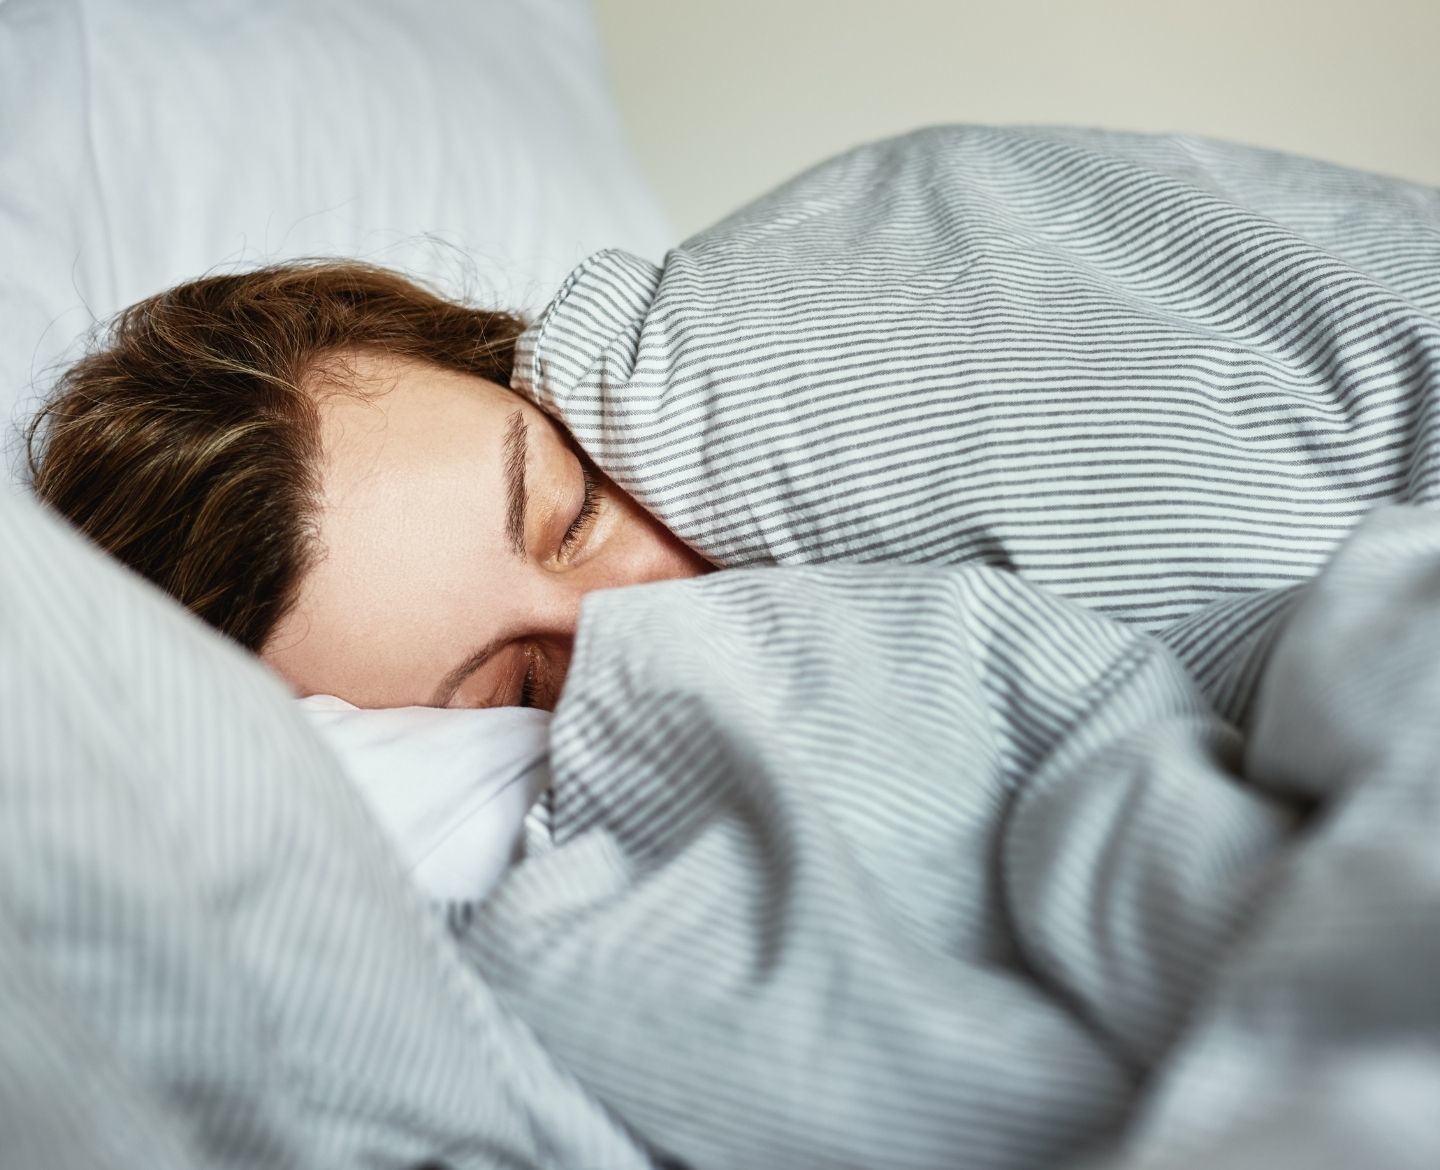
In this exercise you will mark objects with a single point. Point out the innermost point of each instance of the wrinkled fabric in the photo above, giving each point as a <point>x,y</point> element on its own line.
<point>208,956</point>
<point>866,866</point>
<point>869,865</point>
<point>1150,373</point>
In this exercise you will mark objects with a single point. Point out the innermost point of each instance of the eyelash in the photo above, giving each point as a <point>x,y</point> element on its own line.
<point>585,515</point>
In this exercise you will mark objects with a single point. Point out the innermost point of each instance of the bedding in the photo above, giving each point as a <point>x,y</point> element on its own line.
<point>1146,373</point>
<point>890,865</point>
<point>1073,829</point>
<point>951,848</point>
<point>455,791</point>
<point>852,865</point>
<point>210,954</point>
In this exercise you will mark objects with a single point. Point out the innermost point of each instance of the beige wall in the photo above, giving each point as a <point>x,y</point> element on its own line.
<point>725,98</point>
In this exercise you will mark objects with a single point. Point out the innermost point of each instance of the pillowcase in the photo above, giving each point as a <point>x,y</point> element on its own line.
<point>146,142</point>
<point>451,789</point>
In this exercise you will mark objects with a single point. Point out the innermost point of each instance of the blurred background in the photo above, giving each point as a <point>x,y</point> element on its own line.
<point>725,98</point>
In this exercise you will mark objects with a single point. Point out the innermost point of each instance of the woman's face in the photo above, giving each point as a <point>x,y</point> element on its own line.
<point>458,531</point>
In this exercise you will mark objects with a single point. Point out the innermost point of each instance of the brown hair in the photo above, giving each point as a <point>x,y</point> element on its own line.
<point>186,443</point>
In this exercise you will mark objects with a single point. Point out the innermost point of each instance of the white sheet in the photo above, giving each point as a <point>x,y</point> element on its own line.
<point>451,789</point>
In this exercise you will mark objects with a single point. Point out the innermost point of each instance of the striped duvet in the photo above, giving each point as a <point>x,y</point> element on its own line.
<point>1145,373</point>
<point>935,845</point>
<point>861,866</point>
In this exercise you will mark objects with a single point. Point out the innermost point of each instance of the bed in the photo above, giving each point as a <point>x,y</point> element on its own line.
<point>908,841</point>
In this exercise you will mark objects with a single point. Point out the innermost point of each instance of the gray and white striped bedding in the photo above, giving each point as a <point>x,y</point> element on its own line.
<point>866,866</point>
<point>898,866</point>
<point>1064,821</point>
<point>888,865</point>
<point>852,865</point>
<point>1145,373</point>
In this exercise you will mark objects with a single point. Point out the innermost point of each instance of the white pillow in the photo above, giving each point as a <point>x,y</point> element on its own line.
<point>144,142</point>
<point>450,788</point>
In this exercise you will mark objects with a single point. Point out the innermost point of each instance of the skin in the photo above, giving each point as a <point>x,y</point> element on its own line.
<point>419,568</point>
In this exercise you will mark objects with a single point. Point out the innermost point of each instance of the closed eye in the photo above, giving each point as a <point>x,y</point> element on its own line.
<point>589,506</point>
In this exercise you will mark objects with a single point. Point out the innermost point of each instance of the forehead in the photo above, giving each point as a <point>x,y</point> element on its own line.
<point>379,410</point>
<point>409,528</point>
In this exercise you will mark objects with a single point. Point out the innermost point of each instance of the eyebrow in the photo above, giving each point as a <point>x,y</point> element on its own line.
<point>473,662</point>
<point>516,445</point>
<point>517,438</point>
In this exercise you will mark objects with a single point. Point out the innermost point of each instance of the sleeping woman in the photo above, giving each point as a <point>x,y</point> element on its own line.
<point>325,462</point>
<point>1149,375</point>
